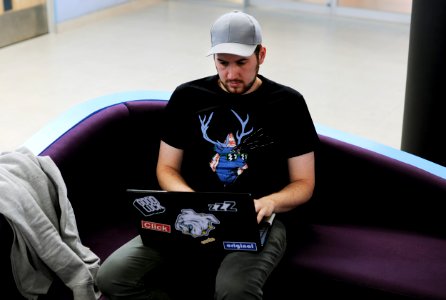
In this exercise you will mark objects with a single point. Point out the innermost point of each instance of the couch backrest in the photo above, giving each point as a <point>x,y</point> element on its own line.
<point>117,147</point>
<point>363,187</point>
<point>109,151</point>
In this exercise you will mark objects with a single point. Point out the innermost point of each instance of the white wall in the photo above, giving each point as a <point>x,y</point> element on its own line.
<point>69,9</point>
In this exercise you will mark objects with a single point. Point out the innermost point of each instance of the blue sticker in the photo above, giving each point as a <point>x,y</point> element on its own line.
<point>243,246</point>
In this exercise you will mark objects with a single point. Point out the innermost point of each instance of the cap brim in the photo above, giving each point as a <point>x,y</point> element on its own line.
<point>233,48</point>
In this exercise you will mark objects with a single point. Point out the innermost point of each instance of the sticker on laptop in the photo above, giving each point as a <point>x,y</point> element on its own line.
<point>155,226</point>
<point>195,224</point>
<point>241,246</point>
<point>207,241</point>
<point>228,206</point>
<point>148,206</point>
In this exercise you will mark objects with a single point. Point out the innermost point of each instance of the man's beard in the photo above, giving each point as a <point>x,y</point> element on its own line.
<point>246,88</point>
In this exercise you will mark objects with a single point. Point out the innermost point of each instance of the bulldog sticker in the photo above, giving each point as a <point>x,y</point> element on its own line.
<point>195,224</point>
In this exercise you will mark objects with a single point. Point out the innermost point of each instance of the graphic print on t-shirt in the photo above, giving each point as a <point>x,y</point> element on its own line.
<point>230,158</point>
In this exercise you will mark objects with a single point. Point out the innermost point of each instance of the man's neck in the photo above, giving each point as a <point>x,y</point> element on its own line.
<point>257,83</point>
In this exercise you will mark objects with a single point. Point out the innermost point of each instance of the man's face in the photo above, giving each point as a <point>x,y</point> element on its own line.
<point>237,73</point>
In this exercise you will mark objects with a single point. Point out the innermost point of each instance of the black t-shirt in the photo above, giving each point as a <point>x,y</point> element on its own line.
<point>237,143</point>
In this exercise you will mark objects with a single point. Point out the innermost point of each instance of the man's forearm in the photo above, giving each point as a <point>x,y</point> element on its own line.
<point>170,180</point>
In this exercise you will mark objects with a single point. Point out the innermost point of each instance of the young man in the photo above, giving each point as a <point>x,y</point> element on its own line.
<point>236,131</point>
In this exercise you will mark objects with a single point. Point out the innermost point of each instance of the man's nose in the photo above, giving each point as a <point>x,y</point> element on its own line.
<point>232,71</point>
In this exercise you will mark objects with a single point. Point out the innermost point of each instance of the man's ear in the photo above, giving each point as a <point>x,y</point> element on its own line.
<point>262,54</point>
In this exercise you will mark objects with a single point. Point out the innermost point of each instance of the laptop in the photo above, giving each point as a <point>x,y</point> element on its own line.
<point>209,221</point>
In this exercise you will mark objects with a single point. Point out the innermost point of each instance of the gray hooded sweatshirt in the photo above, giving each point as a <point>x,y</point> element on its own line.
<point>33,199</point>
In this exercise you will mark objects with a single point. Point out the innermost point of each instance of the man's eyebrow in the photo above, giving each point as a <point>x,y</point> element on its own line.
<point>237,61</point>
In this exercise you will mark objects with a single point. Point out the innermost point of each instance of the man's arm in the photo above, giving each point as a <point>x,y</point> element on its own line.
<point>168,169</point>
<point>298,191</point>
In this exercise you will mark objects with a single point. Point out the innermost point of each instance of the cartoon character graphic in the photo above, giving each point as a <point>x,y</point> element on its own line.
<point>195,224</point>
<point>229,161</point>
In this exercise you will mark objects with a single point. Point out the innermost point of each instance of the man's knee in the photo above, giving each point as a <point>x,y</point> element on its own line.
<point>237,288</point>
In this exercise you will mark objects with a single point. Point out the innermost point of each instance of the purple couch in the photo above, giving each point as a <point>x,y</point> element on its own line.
<point>374,229</point>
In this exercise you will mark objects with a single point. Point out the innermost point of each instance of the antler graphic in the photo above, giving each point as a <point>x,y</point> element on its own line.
<point>240,136</point>
<point>204,128</point>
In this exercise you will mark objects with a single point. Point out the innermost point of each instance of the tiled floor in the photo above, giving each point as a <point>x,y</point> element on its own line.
<point>352,72</point>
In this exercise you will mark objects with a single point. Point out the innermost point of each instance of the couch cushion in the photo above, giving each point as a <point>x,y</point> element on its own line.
<point>394,261</point>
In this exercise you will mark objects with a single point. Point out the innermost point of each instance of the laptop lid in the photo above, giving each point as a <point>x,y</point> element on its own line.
<point>209,221</point>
